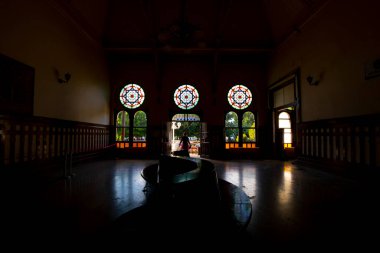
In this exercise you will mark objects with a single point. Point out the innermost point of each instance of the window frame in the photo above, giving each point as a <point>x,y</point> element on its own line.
<point>240,143</point>
<point>285,130</point>
<point>131,142</point>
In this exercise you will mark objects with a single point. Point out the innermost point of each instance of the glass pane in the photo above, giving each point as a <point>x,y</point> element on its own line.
<point>140,119</point>
<point>284,115</point>
<point>132,96</point>
<point>248,120</point>
<point>186,117</point>
<point>122,134</point>
<point>232,135</point>
<point>122,119</point>
<point>287,137</point>
<point>283,123</point>
<point>249,135</point>
<point>139,134</point>
<point>231,120</point>
<point>186,96</point>
<point>239,97</point>
<point>191,127</point>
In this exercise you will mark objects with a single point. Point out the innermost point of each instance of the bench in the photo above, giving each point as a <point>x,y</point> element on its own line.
<point>184,177</point>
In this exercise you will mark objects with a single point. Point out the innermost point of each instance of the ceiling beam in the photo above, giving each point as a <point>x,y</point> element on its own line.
<point>145,50</point>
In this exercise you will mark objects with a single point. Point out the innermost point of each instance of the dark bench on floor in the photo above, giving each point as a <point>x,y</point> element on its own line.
<point>183,177</point>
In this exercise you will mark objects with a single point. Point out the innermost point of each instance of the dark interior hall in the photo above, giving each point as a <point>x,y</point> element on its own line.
<point>279,99</point>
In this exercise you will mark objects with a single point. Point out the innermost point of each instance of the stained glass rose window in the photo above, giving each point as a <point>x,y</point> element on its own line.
<point>132,96</point>
<point>186,97</point>
<point>239,97</point>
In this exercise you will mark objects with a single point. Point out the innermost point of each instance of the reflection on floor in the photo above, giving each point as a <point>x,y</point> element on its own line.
<point>292,205</point>
<point>169,220</point>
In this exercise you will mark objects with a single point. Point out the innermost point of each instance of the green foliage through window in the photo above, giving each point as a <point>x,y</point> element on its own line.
<point>140,123</point>
<point>246,126</point>
<point>123,127</point>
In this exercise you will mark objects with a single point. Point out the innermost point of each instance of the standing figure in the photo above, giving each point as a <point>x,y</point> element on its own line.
<point>185,144</point>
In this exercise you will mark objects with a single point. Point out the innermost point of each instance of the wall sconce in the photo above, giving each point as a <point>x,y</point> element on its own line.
<point>312,80</point>
<point>65,78</point>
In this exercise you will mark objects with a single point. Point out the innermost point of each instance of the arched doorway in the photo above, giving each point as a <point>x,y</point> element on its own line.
<point>284,133</point>
<point>284,100</point>
<point>191,124</point>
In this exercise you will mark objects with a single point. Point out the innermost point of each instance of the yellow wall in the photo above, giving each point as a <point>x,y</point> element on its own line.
<point>334,46</point>
<point>40,35</point>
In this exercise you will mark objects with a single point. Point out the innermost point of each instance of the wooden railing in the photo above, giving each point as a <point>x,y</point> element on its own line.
<point>345,143</point>
<point>25,140</point>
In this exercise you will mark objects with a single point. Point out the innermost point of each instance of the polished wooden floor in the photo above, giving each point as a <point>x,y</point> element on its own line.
<point>293,206</point>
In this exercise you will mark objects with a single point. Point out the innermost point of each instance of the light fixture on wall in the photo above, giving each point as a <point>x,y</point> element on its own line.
<point>61,79</point>
<point>312,80</point>
<point>65,78</point>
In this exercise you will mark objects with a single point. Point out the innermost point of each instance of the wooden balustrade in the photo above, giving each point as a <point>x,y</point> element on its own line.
<point>38,139</point>
<point>345,143</point>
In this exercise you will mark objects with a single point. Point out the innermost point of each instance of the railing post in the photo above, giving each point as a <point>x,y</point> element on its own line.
<point>65,167</point>
<point>71,165</point>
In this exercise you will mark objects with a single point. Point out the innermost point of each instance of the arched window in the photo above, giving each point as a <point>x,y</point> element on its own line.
<point>285,123</point>
<point>139,129</point>
<point>232,130</point>
<point>131,128</point>
<point>240,131</point>
<point>122,129</point>
<point>248,126</point>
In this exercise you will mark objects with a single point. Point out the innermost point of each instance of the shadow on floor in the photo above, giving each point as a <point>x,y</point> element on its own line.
<point>180,219</point>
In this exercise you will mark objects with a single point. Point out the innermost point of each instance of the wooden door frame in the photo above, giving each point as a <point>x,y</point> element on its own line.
<point>291,78</point>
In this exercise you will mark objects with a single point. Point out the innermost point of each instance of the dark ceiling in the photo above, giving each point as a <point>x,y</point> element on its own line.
<point>196,24</point>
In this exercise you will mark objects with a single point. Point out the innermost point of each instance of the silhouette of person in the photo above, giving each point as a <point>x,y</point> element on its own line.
<point>185,144</point>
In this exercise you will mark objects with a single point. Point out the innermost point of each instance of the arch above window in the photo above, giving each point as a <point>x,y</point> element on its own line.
<point>284,120</point>
<point>140,119</point>
<point>248,119</point>
<point>186,117</point>
<point>122,119</point>
<point>232,119</point>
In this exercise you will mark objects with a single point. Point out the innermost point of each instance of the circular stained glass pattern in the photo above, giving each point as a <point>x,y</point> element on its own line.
<point>186,97</point>
<point>132,96</point>
<point>239,97</point>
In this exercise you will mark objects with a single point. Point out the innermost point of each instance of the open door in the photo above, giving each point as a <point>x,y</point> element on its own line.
<point>284,137</point>
<point>204,149</point>
<point>189,123</point>
<point>285,104</point>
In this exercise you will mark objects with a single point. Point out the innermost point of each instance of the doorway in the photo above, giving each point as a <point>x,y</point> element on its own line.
<point>191,124</point>
<point>284,100</point>
<point>284,137</point>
